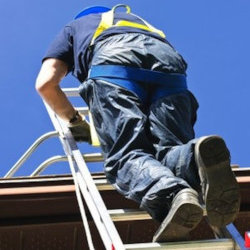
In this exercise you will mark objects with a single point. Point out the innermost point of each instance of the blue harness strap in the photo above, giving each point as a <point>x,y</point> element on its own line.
<point>140,80</point>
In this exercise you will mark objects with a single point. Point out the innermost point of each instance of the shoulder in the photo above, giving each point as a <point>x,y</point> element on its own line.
<point>86,22</point>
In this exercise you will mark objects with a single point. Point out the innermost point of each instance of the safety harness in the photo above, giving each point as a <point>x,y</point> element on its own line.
<point>107,21</point>
<point>136,80</point>
<point>148,85</point>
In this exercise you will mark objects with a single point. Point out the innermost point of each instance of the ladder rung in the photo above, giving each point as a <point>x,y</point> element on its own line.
<point>103,184</point>
<point>71,91</point>
<point>83,110</point>
<point>128,215</point>
<point>218,244</point>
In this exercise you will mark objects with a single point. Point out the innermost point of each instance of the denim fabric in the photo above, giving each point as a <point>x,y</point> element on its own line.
<point>148,149</point>
<point>148,173</point>
<point>138,50</point>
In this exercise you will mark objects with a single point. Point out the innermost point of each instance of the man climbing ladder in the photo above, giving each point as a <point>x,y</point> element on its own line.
<point>134,83</point>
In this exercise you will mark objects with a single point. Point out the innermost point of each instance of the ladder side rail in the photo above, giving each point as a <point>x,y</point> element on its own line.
<point>74,170</point>
<point>80,204</point>
<point>95,157</point>
<point>231,232</point>
<point>107,241</point>
<point>95,199</point>
<point>101,207</point>
<point>29,151</point>
<point>236,236</point>
<point>74,92</point>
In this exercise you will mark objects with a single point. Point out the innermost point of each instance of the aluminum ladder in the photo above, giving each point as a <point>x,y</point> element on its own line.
<point>86,187</point>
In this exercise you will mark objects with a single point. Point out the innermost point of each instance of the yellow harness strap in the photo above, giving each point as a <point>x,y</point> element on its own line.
<point>107,21</point>
<point>94,137</point>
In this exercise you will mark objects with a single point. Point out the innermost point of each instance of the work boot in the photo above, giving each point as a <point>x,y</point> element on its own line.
<point>184,215</point>
<point>220,190</point>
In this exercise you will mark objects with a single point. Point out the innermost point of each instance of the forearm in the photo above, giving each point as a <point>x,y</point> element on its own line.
<point>47,85</point>
<point>57,100</point>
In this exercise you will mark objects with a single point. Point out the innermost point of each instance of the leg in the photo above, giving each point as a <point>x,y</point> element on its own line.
<point>122,126</point>
<point>171,123</point>
<point>203,163</point>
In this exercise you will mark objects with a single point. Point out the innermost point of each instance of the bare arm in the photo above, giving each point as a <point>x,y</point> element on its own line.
<point>47,85</point>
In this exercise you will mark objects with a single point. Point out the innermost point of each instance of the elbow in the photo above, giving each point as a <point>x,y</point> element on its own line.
<point>42,87</point>
<point>50,75</point>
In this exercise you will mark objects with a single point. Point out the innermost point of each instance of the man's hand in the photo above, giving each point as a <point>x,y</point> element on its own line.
<point>80,129</point>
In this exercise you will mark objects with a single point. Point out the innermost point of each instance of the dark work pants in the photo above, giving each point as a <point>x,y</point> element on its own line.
<point>148,147</point>
<point>148,150</point>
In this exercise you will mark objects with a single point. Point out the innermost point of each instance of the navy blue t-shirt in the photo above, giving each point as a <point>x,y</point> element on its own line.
<point>71,45</point>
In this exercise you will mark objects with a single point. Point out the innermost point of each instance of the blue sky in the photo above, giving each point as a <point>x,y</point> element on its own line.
<point>213,37</point>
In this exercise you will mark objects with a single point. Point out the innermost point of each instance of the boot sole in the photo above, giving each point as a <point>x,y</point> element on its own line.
<point>177,227</point>
<point>221,195</point>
